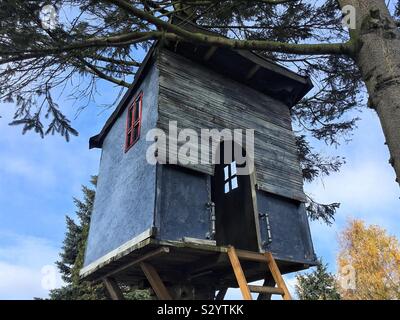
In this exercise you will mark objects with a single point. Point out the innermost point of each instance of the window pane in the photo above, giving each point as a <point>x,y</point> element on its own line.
<point>234,183</point>
<point>227,187</point>
<point>133,123</point>
<point>136,111</point>
<point>129,124</point>
<point>135,133</point>
<point>128,140</point>
<point>226,173</point>
<point>233,168</point>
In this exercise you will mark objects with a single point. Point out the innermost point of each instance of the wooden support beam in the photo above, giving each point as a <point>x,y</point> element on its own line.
<point>240,277</point>
<point>209,53</point>
<point>252,71</point>
<point>113,289</point>
<point>276,274</point>
<point>155,281</point>
<point>144,257</point>
<point>221,294</point>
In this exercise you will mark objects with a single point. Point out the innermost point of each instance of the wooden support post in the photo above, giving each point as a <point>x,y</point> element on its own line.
<point>240,277</point>
<point>276,274</point>
<point>268,282</point>
<point>155,281</point>
<point>221,294</point>
<point>113,289</point>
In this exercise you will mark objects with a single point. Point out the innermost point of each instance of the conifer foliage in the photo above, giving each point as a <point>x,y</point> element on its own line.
<point>72,256</point>
<point>317,285</point>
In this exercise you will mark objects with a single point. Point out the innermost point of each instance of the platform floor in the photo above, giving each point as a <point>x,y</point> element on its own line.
<point>178,261</point>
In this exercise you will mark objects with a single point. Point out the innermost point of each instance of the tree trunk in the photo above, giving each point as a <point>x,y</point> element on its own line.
<point>377,54</point>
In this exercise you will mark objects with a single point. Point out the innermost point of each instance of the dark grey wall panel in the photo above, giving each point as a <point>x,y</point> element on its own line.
<point>125,195</point>
<point>290,232</point>
<point>197,98</point>
<point>181,203</point>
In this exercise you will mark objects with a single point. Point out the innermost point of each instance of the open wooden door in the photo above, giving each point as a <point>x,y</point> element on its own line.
<point>235,205</point>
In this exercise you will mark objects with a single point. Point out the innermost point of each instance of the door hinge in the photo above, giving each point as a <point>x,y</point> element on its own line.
<point>211,234</point>
<point>265,216</point>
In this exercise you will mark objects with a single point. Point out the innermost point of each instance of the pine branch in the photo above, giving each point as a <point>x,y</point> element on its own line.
<point>206,2</point>
<point>275,46</point>
<point>122,39</point>
<point>102,75</point>
<point>115,61</point>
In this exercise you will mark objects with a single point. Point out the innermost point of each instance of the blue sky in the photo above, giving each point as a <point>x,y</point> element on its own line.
<point>38,179</point>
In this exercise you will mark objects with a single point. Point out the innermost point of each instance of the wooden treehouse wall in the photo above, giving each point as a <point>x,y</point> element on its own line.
<point>196,97</point>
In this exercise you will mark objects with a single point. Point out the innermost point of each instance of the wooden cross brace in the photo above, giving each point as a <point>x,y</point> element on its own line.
<point>149,271</point>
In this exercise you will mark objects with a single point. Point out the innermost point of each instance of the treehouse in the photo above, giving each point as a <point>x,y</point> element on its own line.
<point>180,215</point>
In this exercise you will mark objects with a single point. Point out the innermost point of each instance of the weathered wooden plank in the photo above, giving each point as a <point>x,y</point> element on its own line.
<point>279,191</point>
<point>220,103</point>
<point>275,177</point>
<point>206,102</point>
<point>210,115</point>
<point>168,61</point>
<point>226,110</point>
<point>265,147</point>
<point>216,119</point>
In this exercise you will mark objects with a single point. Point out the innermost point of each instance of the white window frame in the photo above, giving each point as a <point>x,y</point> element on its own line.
<point>230,177</point>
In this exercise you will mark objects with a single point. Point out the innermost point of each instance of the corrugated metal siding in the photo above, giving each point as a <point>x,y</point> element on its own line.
<point>197,97</point>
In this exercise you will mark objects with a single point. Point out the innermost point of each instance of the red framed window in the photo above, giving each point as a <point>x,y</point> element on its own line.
<point>133,122</point>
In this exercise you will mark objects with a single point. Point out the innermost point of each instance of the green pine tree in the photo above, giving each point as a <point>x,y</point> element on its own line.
<point>317,285</point>
<point>73,253</point>
<point>72,256</point>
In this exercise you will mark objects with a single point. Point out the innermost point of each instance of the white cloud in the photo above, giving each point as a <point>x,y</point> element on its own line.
<point>27,170</point>
<point>50,162</point>
<point>27,267</point>
<point>365,187</point>
<point>19,282</point>
<point>361,185</point>
<point>366,191</point>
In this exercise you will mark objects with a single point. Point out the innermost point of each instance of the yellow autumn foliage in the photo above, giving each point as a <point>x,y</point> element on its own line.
<point>375,257</point>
